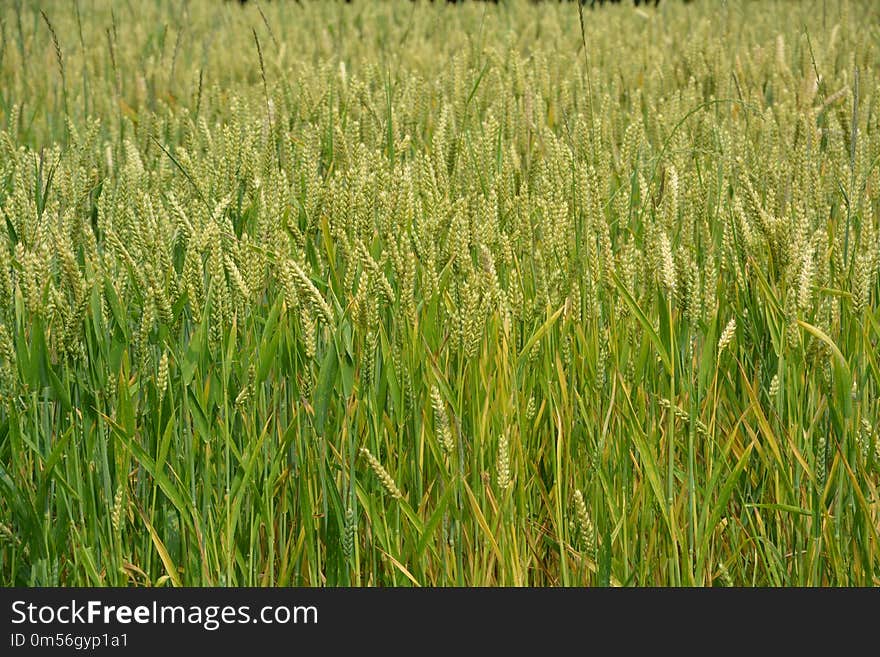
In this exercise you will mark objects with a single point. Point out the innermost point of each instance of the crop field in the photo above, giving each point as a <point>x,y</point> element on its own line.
<point>417,294</point>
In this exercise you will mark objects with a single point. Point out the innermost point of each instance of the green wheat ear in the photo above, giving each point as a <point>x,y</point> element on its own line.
<point>502,463</point>
<point>441,421</point>
<point>586,530</point>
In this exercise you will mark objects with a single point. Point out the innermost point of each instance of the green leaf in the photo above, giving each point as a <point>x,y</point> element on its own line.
<point>653,336</point>
<point>61,391</point>
<point>649,463</point>
<point>433,521</point>
<point>537,335</point>
<point>842,374</point>
<point>172,492</point>
<point>269,343</point>
<point>324,388</point>
<point>115,308</point>
<point>170,568</point>
<point>720,503</point>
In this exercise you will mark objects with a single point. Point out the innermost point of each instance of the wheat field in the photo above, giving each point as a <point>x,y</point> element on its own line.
<point>408,294</point>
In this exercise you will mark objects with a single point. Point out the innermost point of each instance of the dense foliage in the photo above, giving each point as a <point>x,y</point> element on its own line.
<point>395,293</point>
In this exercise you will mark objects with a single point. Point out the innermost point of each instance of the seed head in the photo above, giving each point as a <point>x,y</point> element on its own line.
<point>727,334</point>
<point>386,479</point>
